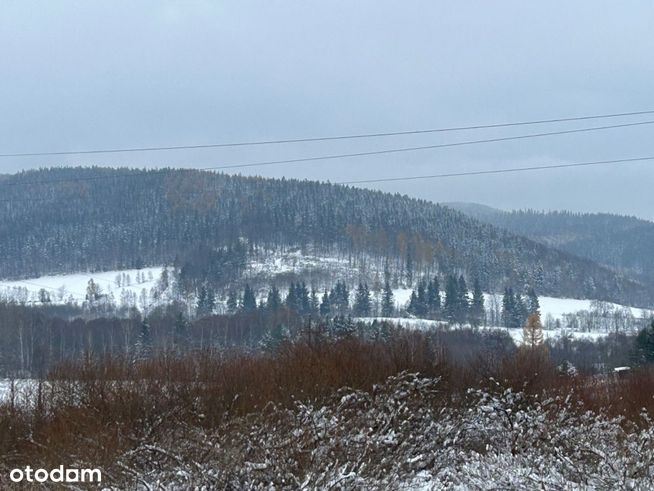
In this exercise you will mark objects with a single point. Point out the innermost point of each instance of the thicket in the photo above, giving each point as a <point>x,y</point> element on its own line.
<point>192,412</point>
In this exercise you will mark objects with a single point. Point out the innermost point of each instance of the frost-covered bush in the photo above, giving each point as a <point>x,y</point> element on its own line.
<point>403,434</point>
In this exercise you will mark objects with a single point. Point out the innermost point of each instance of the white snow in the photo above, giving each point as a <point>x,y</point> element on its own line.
<point>515,333</point>
<point>63,288</point>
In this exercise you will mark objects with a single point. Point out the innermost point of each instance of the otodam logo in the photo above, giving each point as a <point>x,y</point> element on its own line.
<point>59,474</point>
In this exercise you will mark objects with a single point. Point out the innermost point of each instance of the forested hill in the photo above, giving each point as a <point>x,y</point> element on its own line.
<point>619,242</point>
<point>71,219</point>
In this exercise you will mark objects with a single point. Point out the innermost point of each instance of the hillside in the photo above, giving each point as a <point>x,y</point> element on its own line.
<point>622,243</point>
<point>91,219</point>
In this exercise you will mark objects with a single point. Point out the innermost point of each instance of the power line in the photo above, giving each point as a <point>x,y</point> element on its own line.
<point>344,155</point>
<point>500,171</point>
<point>322,138</point>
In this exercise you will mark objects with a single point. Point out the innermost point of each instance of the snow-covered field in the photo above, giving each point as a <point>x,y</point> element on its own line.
<point>134,288</point>
<point>72,287</point>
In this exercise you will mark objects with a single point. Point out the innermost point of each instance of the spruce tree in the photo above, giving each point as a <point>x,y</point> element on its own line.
<point>533,305</point>
<point>643,351</point>
<point>451,306</point>
<point>433,298</point>
<point>362,301</point>
<point>274,300</point>
<point>201,305</point>
<point>303,300</point>
<point>413,307</point>
<point>520,312</point>
<point>325,305</point>
<point>249,300</point>
<point>463,302</point>
<point>144,341</point>
<point>508,307</point>
<point>388,303</point>
<point>422,307</point>
<point>477,311</point>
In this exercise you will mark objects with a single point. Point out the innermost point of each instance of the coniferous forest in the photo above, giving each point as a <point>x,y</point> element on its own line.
<point>93,219</point>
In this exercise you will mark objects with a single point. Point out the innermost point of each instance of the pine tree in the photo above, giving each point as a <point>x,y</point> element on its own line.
<point>362,301</point>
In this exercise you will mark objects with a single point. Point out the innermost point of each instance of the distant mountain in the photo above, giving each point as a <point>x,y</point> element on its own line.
<point>622,243</point>
<point>85,219</point>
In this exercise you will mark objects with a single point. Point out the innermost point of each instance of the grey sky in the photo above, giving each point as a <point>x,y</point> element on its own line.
<point>80,75</point>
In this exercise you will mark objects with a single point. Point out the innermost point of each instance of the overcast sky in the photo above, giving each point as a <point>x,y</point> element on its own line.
<point>84,75</point>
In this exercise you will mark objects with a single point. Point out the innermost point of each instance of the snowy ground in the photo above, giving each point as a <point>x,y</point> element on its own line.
<point>516,334</point>
<point>20,387</point>
<point>138,283</point>
<point>72,287</point>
